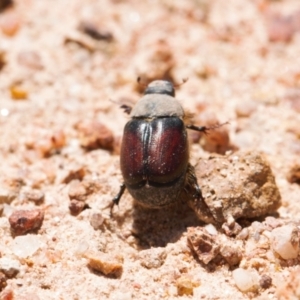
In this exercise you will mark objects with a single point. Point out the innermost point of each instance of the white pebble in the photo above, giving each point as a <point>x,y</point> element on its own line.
<point>211,229</point>
<point>245,280</point>
<point>285,241</point>
<point>26,245</point>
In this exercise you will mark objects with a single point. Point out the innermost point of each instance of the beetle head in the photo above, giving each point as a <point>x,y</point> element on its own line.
<point>160,87</point>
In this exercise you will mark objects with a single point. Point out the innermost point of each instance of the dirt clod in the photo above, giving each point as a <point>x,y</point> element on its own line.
<point>240,185</point>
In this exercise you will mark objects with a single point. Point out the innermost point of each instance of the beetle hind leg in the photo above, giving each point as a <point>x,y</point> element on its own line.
<point>116,199</point>
<point>194,196</point>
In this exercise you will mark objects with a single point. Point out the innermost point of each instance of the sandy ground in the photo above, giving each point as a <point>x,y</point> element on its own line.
<point>57,84</point>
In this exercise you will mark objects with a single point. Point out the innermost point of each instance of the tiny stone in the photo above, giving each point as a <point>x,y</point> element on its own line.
<point>232,229</point>
<point>185,286</point>
<point>243,235</point>
<point>265,281</point>
<point>26,246</point>
<point>23,221</point>
<point>211,229</point>
<point>285,241</point>
<point>153,258</point>
<point>10,267</point>
<point>76,207</point>
<point>245,280</point>
<point>205,245</point>
<point>232,254</point>
<point>3,282</point>
<point>96,220</point>
<point>105,264</point>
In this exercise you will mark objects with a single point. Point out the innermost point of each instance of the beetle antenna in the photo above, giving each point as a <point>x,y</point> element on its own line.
<point>127,108</point>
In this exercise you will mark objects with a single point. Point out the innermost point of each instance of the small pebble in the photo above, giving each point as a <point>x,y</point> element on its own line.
<point>76,207</point>
<point>96,220</point>
<point>23,221</point>
<point>77,190</point>
<point>243,235</point>
<point>10,23</point>
<point>285,241</point>
<point>18,93</point>
<point>185,286</point>
<point>3,282</point>
<point>10,267</point>
<point>105,264</point>
<point>205,245</point>
<point>25,246</point>
<point>265,281</point>
<point>211,229</point>
<point>245,280</point>
<point>232,254</point>
<point>293,175</point>
<point>153,258</point>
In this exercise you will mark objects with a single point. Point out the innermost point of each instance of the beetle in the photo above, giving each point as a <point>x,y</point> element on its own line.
<point>154,156</point>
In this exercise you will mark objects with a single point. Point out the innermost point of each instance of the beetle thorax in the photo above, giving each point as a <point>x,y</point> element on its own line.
<point>157,105</point>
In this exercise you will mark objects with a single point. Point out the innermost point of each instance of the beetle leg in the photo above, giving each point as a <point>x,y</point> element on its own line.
<point>195,198</point>
<point>205,129</point>
<point>192,184</point>
<point>116,199</point>
<point>127,108</point>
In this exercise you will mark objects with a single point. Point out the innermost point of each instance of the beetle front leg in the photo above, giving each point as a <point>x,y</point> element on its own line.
<point>116,199</point>
<point>205,129</point>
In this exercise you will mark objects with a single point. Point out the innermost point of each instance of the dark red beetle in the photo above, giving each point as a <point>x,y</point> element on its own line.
<point>155,150</point>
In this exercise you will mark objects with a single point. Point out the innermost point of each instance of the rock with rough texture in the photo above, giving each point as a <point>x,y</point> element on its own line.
<point>10,267</point>
<point>240,185</point>
<point>205,245</point>
<point>285,241</point>
<point>153,258</point>
<point>232,253</point>
<point>23,221</point>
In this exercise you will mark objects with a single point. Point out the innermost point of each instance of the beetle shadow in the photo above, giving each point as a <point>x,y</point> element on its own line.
<point>158,227</point>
